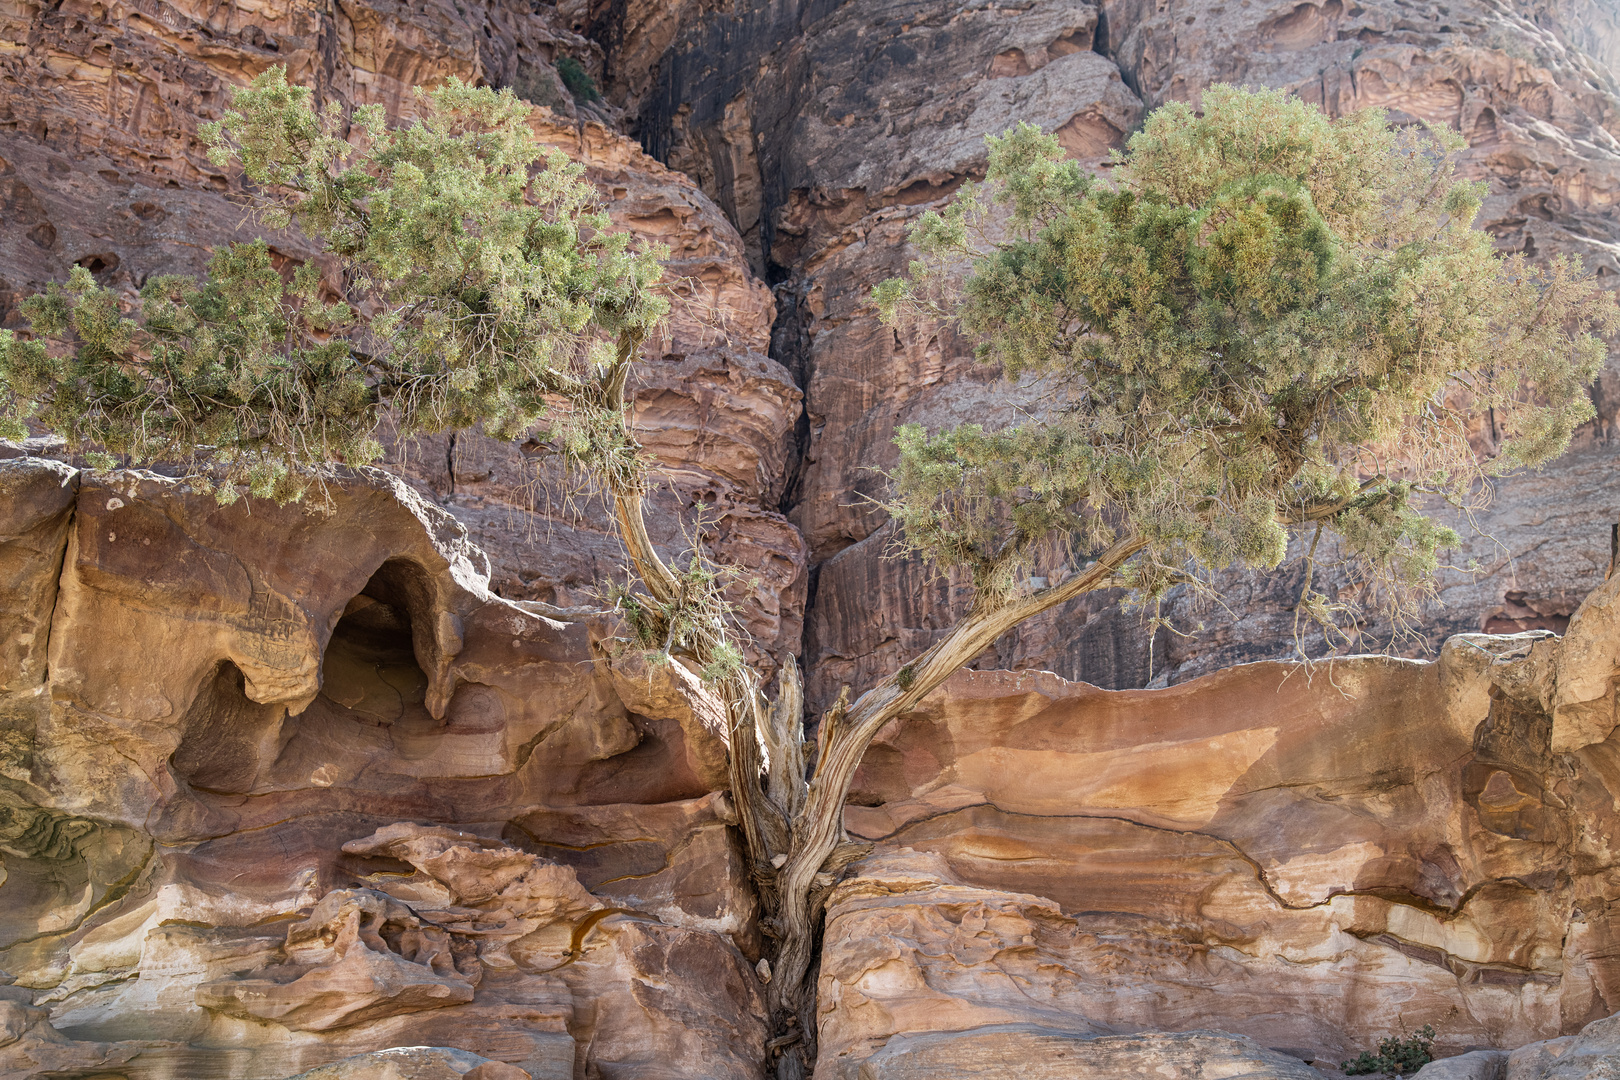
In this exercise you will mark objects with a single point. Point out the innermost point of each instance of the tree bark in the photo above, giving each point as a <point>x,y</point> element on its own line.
<point>794,830</point>
<point>818,829</point>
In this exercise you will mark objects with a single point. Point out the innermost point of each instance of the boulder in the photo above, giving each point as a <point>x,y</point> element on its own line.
<point>1029,1052</point>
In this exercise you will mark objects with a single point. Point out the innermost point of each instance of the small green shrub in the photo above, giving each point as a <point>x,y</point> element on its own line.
<point>1395,1057</point>
<point>536,85</point>
<point>577,79</point>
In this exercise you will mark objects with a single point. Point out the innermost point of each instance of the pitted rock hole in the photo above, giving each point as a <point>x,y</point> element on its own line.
<point>224,734</point>
<point>370,669</point>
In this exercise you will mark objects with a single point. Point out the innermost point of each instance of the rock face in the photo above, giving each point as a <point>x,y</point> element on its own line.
<point>825,129</point>
<point>343,799</point>
<point>340,798</point>
<point>1313,859</point>
<point>1007,1050</point>
<point>100,165</point>
<point>355,795</point>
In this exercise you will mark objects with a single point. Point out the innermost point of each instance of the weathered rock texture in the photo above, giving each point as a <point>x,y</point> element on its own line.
<point>824,129</point>
<point>280,790</point>
<point>100,165</point>
<point>1310,859</point>
<point>285,786</point>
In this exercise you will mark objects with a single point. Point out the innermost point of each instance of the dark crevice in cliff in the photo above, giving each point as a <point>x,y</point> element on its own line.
<point>1099,36</point>
<point>714,63</point>
<point>57,574</point>
<point>450,467</point>
<point>371,671</point>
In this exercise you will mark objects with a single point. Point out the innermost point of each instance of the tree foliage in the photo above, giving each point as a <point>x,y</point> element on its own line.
<point>469,277</point>
<point>1396,1056</point>
<point>1265,321</point>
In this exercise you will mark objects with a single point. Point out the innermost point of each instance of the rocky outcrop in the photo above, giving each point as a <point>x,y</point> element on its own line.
<point>1311,858</point>
<point>359,792</point>
<point>824,130</point>
<point>341,797</point>
<point>100,166</point>
<point>1003,1050</point>
<point>349,800</point>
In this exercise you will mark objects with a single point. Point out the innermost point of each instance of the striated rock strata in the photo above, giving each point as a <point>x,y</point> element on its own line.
<point>825,129</point>
<point>282,786</point>
<point>100,166</point>
<point>354,795</point>
<point>1312,859</point>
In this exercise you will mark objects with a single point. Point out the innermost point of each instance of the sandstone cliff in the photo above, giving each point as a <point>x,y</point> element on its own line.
<point>824,129</point>
<point>279,790</point>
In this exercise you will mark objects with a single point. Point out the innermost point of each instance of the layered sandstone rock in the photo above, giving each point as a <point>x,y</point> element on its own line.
<point>350,800</point>
<point>1313,859</point>
<point>279,789</point>
<point>1005,1050</point>
<point>294,785</point>
<point>824,130</point>
<point>100,166</point>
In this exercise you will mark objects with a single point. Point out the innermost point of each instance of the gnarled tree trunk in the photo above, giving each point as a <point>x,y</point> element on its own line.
<point>791,809</point>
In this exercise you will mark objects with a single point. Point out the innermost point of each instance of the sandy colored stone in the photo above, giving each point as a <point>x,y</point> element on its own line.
<point>1474,1065</point>
<point>1593,1054</point>
<point>1584,710</point>
<point>1017,1051</point>
<point>414,1063</point>
<point>39,503</point>
<point>252,848</point>
<point>259,727</point>
<point>1312,859</point>
<point>681,862</point>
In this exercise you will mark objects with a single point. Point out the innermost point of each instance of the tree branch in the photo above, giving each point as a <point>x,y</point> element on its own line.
<point>819,828</point>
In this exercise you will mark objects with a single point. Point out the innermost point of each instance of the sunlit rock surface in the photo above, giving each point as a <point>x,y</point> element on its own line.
<point>1313,859</point>
<point>291,785</point>
<point>282,789</point>
<point>101,166</point>
<point>295,785</point>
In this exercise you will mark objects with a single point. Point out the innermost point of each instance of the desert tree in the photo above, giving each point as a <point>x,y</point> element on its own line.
<point>1263,324</point>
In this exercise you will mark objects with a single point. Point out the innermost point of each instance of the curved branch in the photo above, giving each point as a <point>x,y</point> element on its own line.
<point>1321,511</point>
<point>820,825</point>
<point>628,499</point>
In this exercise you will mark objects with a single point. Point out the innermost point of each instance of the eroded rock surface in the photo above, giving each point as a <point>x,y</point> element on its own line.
<point>1311,859</point>
<point>351,800</point>
<point>101,166</point>
<point>825,129</point>
<point>1023,1050</point>
<point>279,790</point>
<point>341,799</point>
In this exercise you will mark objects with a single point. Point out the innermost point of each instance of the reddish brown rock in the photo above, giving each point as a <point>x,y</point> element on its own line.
<point>273,838</point>
<point>835,126</point>
<point>278,790</point>
<point>101,165</point>
<point>1313,859</point>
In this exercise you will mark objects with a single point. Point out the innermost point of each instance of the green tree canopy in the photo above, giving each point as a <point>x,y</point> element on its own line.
<point>1264,320</point>
<point>479,282</point>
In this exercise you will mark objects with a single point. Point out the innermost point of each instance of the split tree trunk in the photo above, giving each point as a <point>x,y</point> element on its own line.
<point>794,827</point>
